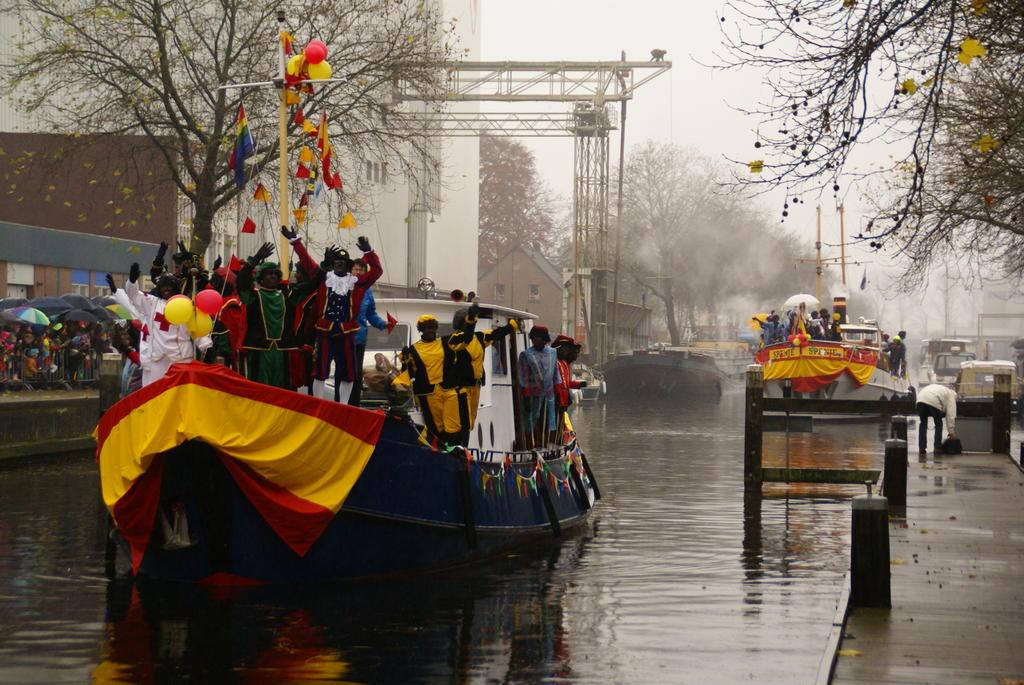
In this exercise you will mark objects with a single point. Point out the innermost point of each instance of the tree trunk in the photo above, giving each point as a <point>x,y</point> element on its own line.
<point>670,314</point>
<point>202,226</point>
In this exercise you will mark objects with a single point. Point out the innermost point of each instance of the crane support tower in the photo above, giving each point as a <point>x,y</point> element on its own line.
<point>590,88</point>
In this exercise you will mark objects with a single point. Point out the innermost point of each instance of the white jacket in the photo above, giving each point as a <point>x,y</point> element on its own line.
<point>165,340</point>
<point>943,399</point>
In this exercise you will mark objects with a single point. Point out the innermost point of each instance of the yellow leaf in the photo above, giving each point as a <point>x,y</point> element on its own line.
<point>66,203</point>
<point>51,187</point>
<point>117,172</point>
<point>928,83</point>
<point>969,49</point>
<point>979,7</point>
<point>897,561</point>
<point>756,166</point>
<point>910,85</point>
<point>986,144</point>
<point>118,210</point>
<point>850,652</point>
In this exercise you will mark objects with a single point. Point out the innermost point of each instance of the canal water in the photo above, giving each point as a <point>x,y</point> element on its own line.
<point>679,580</point>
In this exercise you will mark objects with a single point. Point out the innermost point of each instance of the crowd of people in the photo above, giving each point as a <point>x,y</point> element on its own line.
<point>819,325</point>
<point>56,353</point>
<point>445,374</point>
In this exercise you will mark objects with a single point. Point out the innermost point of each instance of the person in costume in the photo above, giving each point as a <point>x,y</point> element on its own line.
<point>230,325</point>
<point>568,350</point>
<point>423,368</point>
<point>538,379</point>
<point>268,335</point>
<point>165,343</point>
<point>466,376</point>
<point>368,316</point>
<point>339,298</point>
<point>302,296</point>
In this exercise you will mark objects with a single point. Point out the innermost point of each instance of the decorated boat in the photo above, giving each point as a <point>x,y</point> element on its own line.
<point>852,368</point>
<point>209,476</point>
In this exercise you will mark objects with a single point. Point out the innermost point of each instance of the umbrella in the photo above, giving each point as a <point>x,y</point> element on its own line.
<point>7,317</point>
<point>103,300</point>
<point>78,315</point>
<point>51,306</point>
<point>80,302</point>
<point>12,302</point>
<point>120,312</point>
<point>30,315</point>
<point>810,300</point>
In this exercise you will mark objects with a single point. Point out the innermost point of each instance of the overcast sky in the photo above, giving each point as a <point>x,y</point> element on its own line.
<point>690,105</point>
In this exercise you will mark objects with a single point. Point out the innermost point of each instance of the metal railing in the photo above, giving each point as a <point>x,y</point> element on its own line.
<point>64,368</point>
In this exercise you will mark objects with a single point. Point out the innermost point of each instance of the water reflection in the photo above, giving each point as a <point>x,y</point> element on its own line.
<point>502,622</point>
<point>683,579</point>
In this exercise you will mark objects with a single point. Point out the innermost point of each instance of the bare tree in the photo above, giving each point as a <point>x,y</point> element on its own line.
<point>515,206</point>
<point>845,73</point>
<point>693,247</point>
<point>153,68</point>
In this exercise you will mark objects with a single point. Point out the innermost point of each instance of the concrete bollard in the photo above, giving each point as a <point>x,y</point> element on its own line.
<point>869,557</point>
<point>1001,413</point>
<point>899,428</point>
<point>894,484</point>
<point>753,432</point>
<point>110,380</point>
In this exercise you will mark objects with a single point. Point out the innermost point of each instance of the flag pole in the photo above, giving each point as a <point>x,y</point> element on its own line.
<point>283,249</point>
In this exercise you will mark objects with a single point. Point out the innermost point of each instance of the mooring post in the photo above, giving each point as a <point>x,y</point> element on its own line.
<point>752,435</point>
<point>894,485</point>
<point>899,428</point>
<point>110,380</point>
<point>869,557</point>
<point>1001,413</point>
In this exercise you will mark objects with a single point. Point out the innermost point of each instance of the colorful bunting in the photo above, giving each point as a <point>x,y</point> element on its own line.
<point>306,155</point>
<point>249,226</point>
<point>348,220</point>
<point>299,117</point>
<point>300,215</point>
<point>261,194</point>
<point>291,97</point>
<point>302,172</point>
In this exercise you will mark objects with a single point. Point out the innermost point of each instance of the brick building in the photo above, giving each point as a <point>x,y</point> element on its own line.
<point>73,208</point>
<point>524,279</point>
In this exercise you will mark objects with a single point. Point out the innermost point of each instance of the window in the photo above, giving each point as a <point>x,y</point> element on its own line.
<point>534,292</point>
<point>80,289</point>
<point>376,172</point>
<point>499,292</point>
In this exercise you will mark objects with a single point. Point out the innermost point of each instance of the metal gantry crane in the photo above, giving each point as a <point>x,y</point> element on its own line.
<point>589,87</point>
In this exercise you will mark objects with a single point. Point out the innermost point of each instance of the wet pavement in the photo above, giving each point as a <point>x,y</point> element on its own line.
<point>679,580</point>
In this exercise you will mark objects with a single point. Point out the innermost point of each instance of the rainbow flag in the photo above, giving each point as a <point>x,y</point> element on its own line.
<point>295,457</point>
<point>244,147</point>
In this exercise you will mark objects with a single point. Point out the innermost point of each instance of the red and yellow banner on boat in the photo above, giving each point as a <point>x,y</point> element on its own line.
<point>295,457</point>
<point>817,364</point>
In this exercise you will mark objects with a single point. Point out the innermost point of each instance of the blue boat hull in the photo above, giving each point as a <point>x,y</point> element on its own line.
<point>407,512</point>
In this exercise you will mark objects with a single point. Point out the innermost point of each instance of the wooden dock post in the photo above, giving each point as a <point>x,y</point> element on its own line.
<point>894,484</point>
<point>1001,414</point>
<point>869,557</point>
<point>110,380</point>
<point>752,435</point>
<point>899,427</point>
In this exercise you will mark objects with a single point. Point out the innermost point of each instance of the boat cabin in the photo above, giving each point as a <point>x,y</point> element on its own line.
<point>496,427</point>
<point>866,334</point>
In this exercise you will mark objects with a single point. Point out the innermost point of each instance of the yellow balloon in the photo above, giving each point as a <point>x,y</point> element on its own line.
<point>295,65</point>
<point>319,71</point>
<point>200,325</point>
<point>178,310</point>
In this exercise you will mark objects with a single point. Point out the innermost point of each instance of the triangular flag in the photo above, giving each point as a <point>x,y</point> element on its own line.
<point>261,194</point>
<point>235,264</point>
<point>392,322</point>
<point>347,221</point>
<point>291,97</point>
<point>299,116</point>
<point>302,172</point>
<point>300,215</point>
<point>335,183</point>
<point>286,42</point>
<point>306,155</point>
<point>308,127</point>
<point>305,200</point>
<point>249,226</point>
<point>324,145</point>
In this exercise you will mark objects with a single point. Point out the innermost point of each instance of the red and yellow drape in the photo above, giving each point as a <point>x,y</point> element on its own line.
<point>813,366</point>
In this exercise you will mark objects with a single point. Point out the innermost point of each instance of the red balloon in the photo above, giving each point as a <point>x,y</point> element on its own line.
<point>315,52</point>
<point>209,301</point>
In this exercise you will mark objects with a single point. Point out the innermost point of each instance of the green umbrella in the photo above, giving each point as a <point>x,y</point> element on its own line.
<point>30,315</point>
